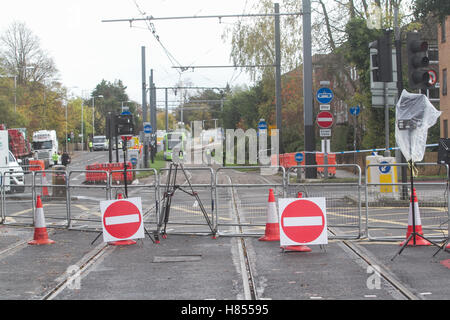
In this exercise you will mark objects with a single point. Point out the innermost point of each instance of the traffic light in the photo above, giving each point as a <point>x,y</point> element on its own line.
<point>68,137</point>
<point>381,59</point>
<point>418,75</point>
<point>124,124</point>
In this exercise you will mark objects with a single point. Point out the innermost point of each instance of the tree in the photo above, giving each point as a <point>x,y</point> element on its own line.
<point>22,55</point>
<point>114,95</point>
<point>437,8</point>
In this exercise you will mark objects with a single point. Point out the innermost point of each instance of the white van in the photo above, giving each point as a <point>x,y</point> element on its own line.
<point>16,176</point>
<point>100,143</point>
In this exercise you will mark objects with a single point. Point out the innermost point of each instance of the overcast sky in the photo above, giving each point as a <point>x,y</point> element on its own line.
<point>87,50</point>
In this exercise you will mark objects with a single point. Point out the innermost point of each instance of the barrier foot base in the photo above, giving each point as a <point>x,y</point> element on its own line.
<point>297,248</point>
<point>122,243</point>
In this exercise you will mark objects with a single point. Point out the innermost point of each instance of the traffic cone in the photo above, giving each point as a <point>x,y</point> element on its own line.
<point>122,242</point>
<point>40,229</point>
<point>44,185</point>
<point>419,240</point>
<point>299,248</point>
<point>272,227</point>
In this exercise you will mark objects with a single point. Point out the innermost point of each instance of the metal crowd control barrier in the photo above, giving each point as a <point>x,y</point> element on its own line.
<point>19,198</point>
<point>244,214</point>
<point>140,186</point>
<point>186,216</point>
<point>51,185</point>
<point>343,199</point>
<point>83,210</point>
<point>387,205</point>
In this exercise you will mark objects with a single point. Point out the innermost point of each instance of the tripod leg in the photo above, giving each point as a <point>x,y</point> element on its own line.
<point>442,247</point>
<point>146,231</point>
<point>403,246</point>
<point>98,236</point>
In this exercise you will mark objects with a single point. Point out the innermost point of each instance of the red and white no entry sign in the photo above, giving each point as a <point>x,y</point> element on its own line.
<point>325,119</point>
<point>122,219</point>
<point>303,221</point>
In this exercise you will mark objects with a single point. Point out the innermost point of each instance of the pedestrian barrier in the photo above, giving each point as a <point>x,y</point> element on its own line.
<point>387,216</point>
<point>239,213</point>
<point>70,202</point>
<point>17,201</point>
<point>186,216</point>
<point>343,199</point>
<point>145,186</point>
<point>83,210</point>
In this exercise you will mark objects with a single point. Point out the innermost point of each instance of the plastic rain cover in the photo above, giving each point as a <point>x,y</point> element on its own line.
<point>414,115</point>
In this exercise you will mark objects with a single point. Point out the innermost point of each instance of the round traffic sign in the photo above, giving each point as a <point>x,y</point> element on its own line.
<point>302,221</point>
<point>299,157</point>
<point>324,95</point>
<point>148,128</point>
<point>433,77</point>
<point>122,219</point>
<point>385,168</point>
<point>262,125</point>
<point>325,119</point>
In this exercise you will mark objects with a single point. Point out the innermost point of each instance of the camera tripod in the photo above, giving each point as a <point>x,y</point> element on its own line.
<point>169,192</point>
<point>414,234</point>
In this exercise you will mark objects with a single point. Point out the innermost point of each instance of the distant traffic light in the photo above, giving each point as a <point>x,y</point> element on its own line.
<point>124,124</point>
<point>381,61</point>
<point>68,137</point>
<point>418,75</point>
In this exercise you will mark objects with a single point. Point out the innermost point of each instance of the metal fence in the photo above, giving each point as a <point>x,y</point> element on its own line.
<point>244,213</point>
<point>388,204</point>
<point>235,200</point>
<point>343,199</point>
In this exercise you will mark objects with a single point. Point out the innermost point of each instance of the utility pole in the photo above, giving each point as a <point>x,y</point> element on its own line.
<point>278,77</point>
<point>311,173</point>
<point>144,105</point>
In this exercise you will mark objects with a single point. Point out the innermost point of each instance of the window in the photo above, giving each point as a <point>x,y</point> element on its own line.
<point>444,82</point>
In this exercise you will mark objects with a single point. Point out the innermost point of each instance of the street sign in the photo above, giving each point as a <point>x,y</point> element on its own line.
<point>355,110</point>
<point>122,219</point>
<point>302,221</point>
<point>433,77</point>
<point>325,107</point>
<point>147,128</point>
<point>325,119</point>
<point>299,157</point>
<point>324,95</point>
<point>325,132</point>
<point>384,169</point>
<point>262,124</point>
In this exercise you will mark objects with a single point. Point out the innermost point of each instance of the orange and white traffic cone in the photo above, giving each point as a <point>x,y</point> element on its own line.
<point>44,185</point>
<point>299,248</point>
<point>122,242</point>
<point>272,227</point>
<point>418,224</point>
<point>40,229</point>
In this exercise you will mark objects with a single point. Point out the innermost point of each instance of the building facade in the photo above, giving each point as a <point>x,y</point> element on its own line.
<point>444,66</point>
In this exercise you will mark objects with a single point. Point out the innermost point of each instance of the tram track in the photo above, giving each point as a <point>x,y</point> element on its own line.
<point>396,288</point>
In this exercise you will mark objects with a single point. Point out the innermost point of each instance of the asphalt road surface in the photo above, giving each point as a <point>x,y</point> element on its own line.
<point>192,264</point>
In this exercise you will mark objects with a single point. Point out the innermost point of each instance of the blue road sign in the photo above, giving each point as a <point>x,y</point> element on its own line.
<point>299,157</point>
<point>126,112</point>
<point>148,128</point>
<point>324,95</point>
<point>355,110</point>
<point>134,161</point>
<point>384,169</point>
<point>262,125</point>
